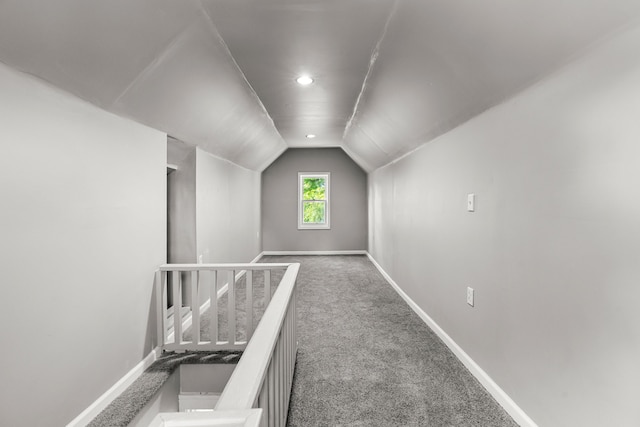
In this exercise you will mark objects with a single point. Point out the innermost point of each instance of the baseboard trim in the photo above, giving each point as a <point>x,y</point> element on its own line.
<point>352,252</point>
<point>116,390</point>
<point>518,415</point>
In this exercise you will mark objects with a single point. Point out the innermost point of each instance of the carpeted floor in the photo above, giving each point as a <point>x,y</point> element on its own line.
<point>366,359</point>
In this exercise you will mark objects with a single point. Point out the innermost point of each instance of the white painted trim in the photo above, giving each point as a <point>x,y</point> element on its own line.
<point>494,389</point>
<point>116,390</point>
<point>321,226</point>
<point>353,252</point>
<point>242,418</point>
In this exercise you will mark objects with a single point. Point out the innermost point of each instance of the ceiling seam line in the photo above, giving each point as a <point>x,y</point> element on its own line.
<point>360,161</point>
<point>382,150</point>
<point>154,63</point>
<point>235,63</point>
<point>372,61</point>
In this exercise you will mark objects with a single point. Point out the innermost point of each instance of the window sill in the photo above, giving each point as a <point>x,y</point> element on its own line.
<point>314,227</point>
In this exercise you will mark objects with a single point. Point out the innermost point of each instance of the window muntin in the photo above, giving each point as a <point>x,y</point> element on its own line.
<point>313,200</point>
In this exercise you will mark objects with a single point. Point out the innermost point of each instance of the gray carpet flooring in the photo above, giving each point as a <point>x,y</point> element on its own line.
<point>366,359</point>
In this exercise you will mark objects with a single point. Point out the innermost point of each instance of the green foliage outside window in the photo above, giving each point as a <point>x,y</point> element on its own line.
<point>313,212</point>
<point>314,197</point>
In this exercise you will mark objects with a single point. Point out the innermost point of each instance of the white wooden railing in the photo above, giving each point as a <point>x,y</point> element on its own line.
<point>209,282</point>
<point>264,375</point>
<point>259,389</point>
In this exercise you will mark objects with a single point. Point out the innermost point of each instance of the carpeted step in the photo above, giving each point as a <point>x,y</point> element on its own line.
<point>125,407</point>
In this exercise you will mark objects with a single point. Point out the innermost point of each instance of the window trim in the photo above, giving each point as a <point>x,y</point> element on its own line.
<point>327,224</point>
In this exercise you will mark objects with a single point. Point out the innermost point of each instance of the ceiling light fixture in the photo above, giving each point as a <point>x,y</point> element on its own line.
<point>310,136</point>
<point>304,80</point>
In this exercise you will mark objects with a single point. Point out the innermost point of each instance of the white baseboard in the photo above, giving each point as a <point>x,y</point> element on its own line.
<point>518,415</point>
<point>116,390</point>
<point>353,252</point>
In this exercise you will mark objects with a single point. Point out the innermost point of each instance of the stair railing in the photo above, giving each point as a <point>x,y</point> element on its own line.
<point>197,288</point>
<point>258,392</point>
<point>264,375</point>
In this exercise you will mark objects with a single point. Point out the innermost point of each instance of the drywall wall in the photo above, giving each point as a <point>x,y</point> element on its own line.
<point>552,249</point>
<point>348,202</point>
<point>181,203</point>
<point>227,210</point>
<point>83,230</point>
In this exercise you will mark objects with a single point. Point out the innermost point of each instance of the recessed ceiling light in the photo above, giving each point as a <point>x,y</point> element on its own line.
<point>310,136</point>
<point>304,80</point>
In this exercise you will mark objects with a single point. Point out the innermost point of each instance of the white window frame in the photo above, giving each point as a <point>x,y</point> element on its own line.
<point>326,225</point>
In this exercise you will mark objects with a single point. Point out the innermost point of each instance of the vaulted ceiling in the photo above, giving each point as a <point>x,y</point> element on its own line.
<point>389,75</point>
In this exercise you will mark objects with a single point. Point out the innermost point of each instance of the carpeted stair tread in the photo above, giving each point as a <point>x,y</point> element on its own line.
<point>125,407</point>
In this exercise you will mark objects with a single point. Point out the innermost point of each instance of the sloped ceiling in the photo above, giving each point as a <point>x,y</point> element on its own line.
<point>388,75</point>
<point>160,62</point>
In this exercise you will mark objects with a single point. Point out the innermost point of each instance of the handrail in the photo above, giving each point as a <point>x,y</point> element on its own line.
<point>227,267</point>
<point>244,387</point>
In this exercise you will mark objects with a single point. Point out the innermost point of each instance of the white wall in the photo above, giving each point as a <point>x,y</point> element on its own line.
<point>227,210</point>
<point>83,230</point>
<point>553,249</point>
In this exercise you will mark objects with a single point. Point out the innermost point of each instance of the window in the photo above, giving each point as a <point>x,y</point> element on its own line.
<point>313,200</point>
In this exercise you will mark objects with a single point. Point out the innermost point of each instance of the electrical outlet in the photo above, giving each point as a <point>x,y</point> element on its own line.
<point>470,296</point>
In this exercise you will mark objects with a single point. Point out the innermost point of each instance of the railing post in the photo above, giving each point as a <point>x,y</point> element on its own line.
<point>161,307</point>
<point>231,307</point>
<point>195,307</point>
<point>213,308</point>
<point>177,307</point>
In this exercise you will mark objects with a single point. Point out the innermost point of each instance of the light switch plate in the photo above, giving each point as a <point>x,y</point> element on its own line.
<point>470,296</point>
<point>471,202</point>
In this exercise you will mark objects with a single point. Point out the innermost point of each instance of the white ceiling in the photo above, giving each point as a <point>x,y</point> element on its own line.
<point>389,75</point>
